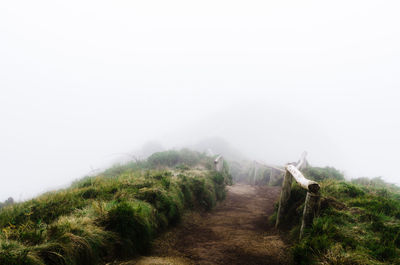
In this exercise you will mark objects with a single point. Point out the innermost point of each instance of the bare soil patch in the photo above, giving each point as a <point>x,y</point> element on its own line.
<point>235,232</point>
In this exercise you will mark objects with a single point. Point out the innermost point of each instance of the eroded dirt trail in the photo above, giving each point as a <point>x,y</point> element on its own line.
<point>235,232</point>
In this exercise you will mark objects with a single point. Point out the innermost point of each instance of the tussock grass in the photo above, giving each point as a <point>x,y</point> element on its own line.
<point>114,214</point>
<point>358,224</point>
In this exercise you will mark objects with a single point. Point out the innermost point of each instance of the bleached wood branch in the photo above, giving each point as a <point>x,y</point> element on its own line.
<point>218,163</point>
<point>270,166</point>
<point>307,184</point>
<point>311,205</point>
<point>218,158</point>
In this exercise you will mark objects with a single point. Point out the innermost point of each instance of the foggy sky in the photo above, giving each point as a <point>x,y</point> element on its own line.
<point>82,82</point>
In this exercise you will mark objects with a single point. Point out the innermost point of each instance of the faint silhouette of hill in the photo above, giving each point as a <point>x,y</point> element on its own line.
<point>218,145</point>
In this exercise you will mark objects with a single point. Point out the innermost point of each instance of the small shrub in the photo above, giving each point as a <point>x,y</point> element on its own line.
<point>320,174</point>
<point>131,223</point>
<point>90,193</point>
<point>13,253</point>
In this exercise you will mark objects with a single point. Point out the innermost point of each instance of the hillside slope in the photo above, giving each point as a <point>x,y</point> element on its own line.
<point>359,221</point>
<point>115,214</point>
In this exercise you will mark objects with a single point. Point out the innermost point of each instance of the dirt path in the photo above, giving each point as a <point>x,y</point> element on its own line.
<point>235,232</point>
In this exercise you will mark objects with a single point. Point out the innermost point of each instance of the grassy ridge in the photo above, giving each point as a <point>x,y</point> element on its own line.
<point>359,222</point>
<point>114,214</point>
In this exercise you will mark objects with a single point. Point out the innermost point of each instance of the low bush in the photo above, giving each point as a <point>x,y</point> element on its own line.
<point>183,158</point>
<point>323,173</point>
<point>132,222</point>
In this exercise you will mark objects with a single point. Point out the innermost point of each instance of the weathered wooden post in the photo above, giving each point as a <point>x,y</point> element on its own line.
<point>271,175</point>
<point>311,205</point>
<point>285,195</point>
<point>311,208</point>
<point>274,171</point>
<point>255,173</point>
<point>218,163</point>
<point>312,202</point>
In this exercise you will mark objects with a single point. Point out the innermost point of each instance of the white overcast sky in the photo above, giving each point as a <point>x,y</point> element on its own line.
<point>81,81</point>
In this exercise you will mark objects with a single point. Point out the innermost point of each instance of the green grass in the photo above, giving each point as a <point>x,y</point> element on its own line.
<point>323,173</point>
<point>115,214</point>
<point>359,223</point>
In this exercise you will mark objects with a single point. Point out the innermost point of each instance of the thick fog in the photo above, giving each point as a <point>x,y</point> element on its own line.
<point>86,83</point>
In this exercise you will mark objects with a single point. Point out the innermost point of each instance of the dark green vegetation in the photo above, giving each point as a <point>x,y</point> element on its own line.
<point>114,214</point>
<point>359,221</point>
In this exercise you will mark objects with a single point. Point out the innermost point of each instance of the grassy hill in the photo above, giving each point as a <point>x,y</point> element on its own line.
<point>114,214</point>
<point>359,221</point>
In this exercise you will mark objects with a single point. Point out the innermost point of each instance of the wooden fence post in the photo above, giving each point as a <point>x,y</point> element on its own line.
<point>285,195</point>
<point>311,208</point>
<point>219,163</point>
<point>255,173</point>
<point>312,202</point>
<point>270,177</point>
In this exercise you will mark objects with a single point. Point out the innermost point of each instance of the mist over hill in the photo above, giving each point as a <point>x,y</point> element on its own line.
<point>272,79</point>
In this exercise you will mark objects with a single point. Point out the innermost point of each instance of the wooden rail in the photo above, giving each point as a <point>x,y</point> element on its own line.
<point>311,205</point>
<point>271,166</point>
<point>219,163</point>
<point>274,171</point>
